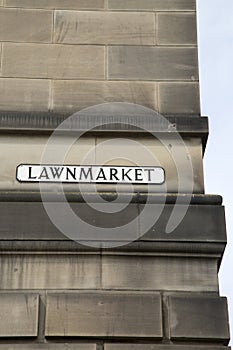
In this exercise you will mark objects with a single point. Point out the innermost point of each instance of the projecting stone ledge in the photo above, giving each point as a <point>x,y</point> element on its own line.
<point>200,227</point>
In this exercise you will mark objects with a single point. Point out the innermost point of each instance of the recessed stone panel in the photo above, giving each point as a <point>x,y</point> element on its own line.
<point>104,28</point>
<point>19,315</point>
<point>152,63</point>
<point>104,315</point>
<point>25,25</point>
<point>53,61</point>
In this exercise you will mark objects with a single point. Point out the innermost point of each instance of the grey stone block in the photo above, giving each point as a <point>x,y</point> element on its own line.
<point>102,27</point>
<point>57,4</point>
<point>198,317</point>
<point>179,98</point>
<point>19,315</point>
<point>176,29</point>
<point>42,228</point>
<point>55,346</point>
<point>198,223</point>
<point>104,315</point>
<point>159,273</point>
<point>53,61</point>
<point>24,94</point>
<point>50,271</point>
<point>32,26</point>
<point>153,5</point>
<point>152,63</point>
<point>76,95</point>
<point>121,346</point>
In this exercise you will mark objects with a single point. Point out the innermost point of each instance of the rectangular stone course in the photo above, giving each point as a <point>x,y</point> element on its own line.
<point>97,27</point>
<point>179,97</point>
<point>75,95</point>
<point>153,5</point>
<point>53,61</point>
<point>50,272</point>
<point>168,273</point>
<point>56,346</point>
<point>176,29</point>
<point>21,25</point>
<point>24,94</point>
<point>152,63</point>
<point>57,4</point>
<point>19,315</point>
<point>161,347</point>
<point>104,315</point>
<point>198,318</point>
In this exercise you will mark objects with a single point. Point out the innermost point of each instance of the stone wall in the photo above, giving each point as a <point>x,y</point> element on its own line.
<point>65,55</point>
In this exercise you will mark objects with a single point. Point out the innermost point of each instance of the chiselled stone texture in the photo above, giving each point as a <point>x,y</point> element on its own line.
<point>178,97</point>
<point>21,25</point>
<point>19,315</point>
<point>50,61</point>
<point>24,94</point>
<point>176,29</point>
<point>198,317</point>
<point>152,63</point>
<point>153,5</point>
<point>104,28</point>
<point>160,347</point>
<point>57,4</point>
<point>104,315</point>
<point>76,95</point>
<point>55,346</point>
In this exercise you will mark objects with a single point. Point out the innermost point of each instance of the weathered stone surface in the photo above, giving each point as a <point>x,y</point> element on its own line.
<point>152,63</point>
<point>56,346</point>
<point>121,346</point>
<point>24,94</point>
<point>179,98</point>
<point>201,223</point>
<point>57,4</point>
<point>176,29</point>
<point>157,5</point>
<point>147,150</point>
<point>198,317</point>
<point>75,95</point>
<point>53,61</point>
<point>32,26</point>
<point>50,271</point>
<point>104,315</point>
<point>169,273</point>
<point>19,315</point>
<point>104,28</point>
